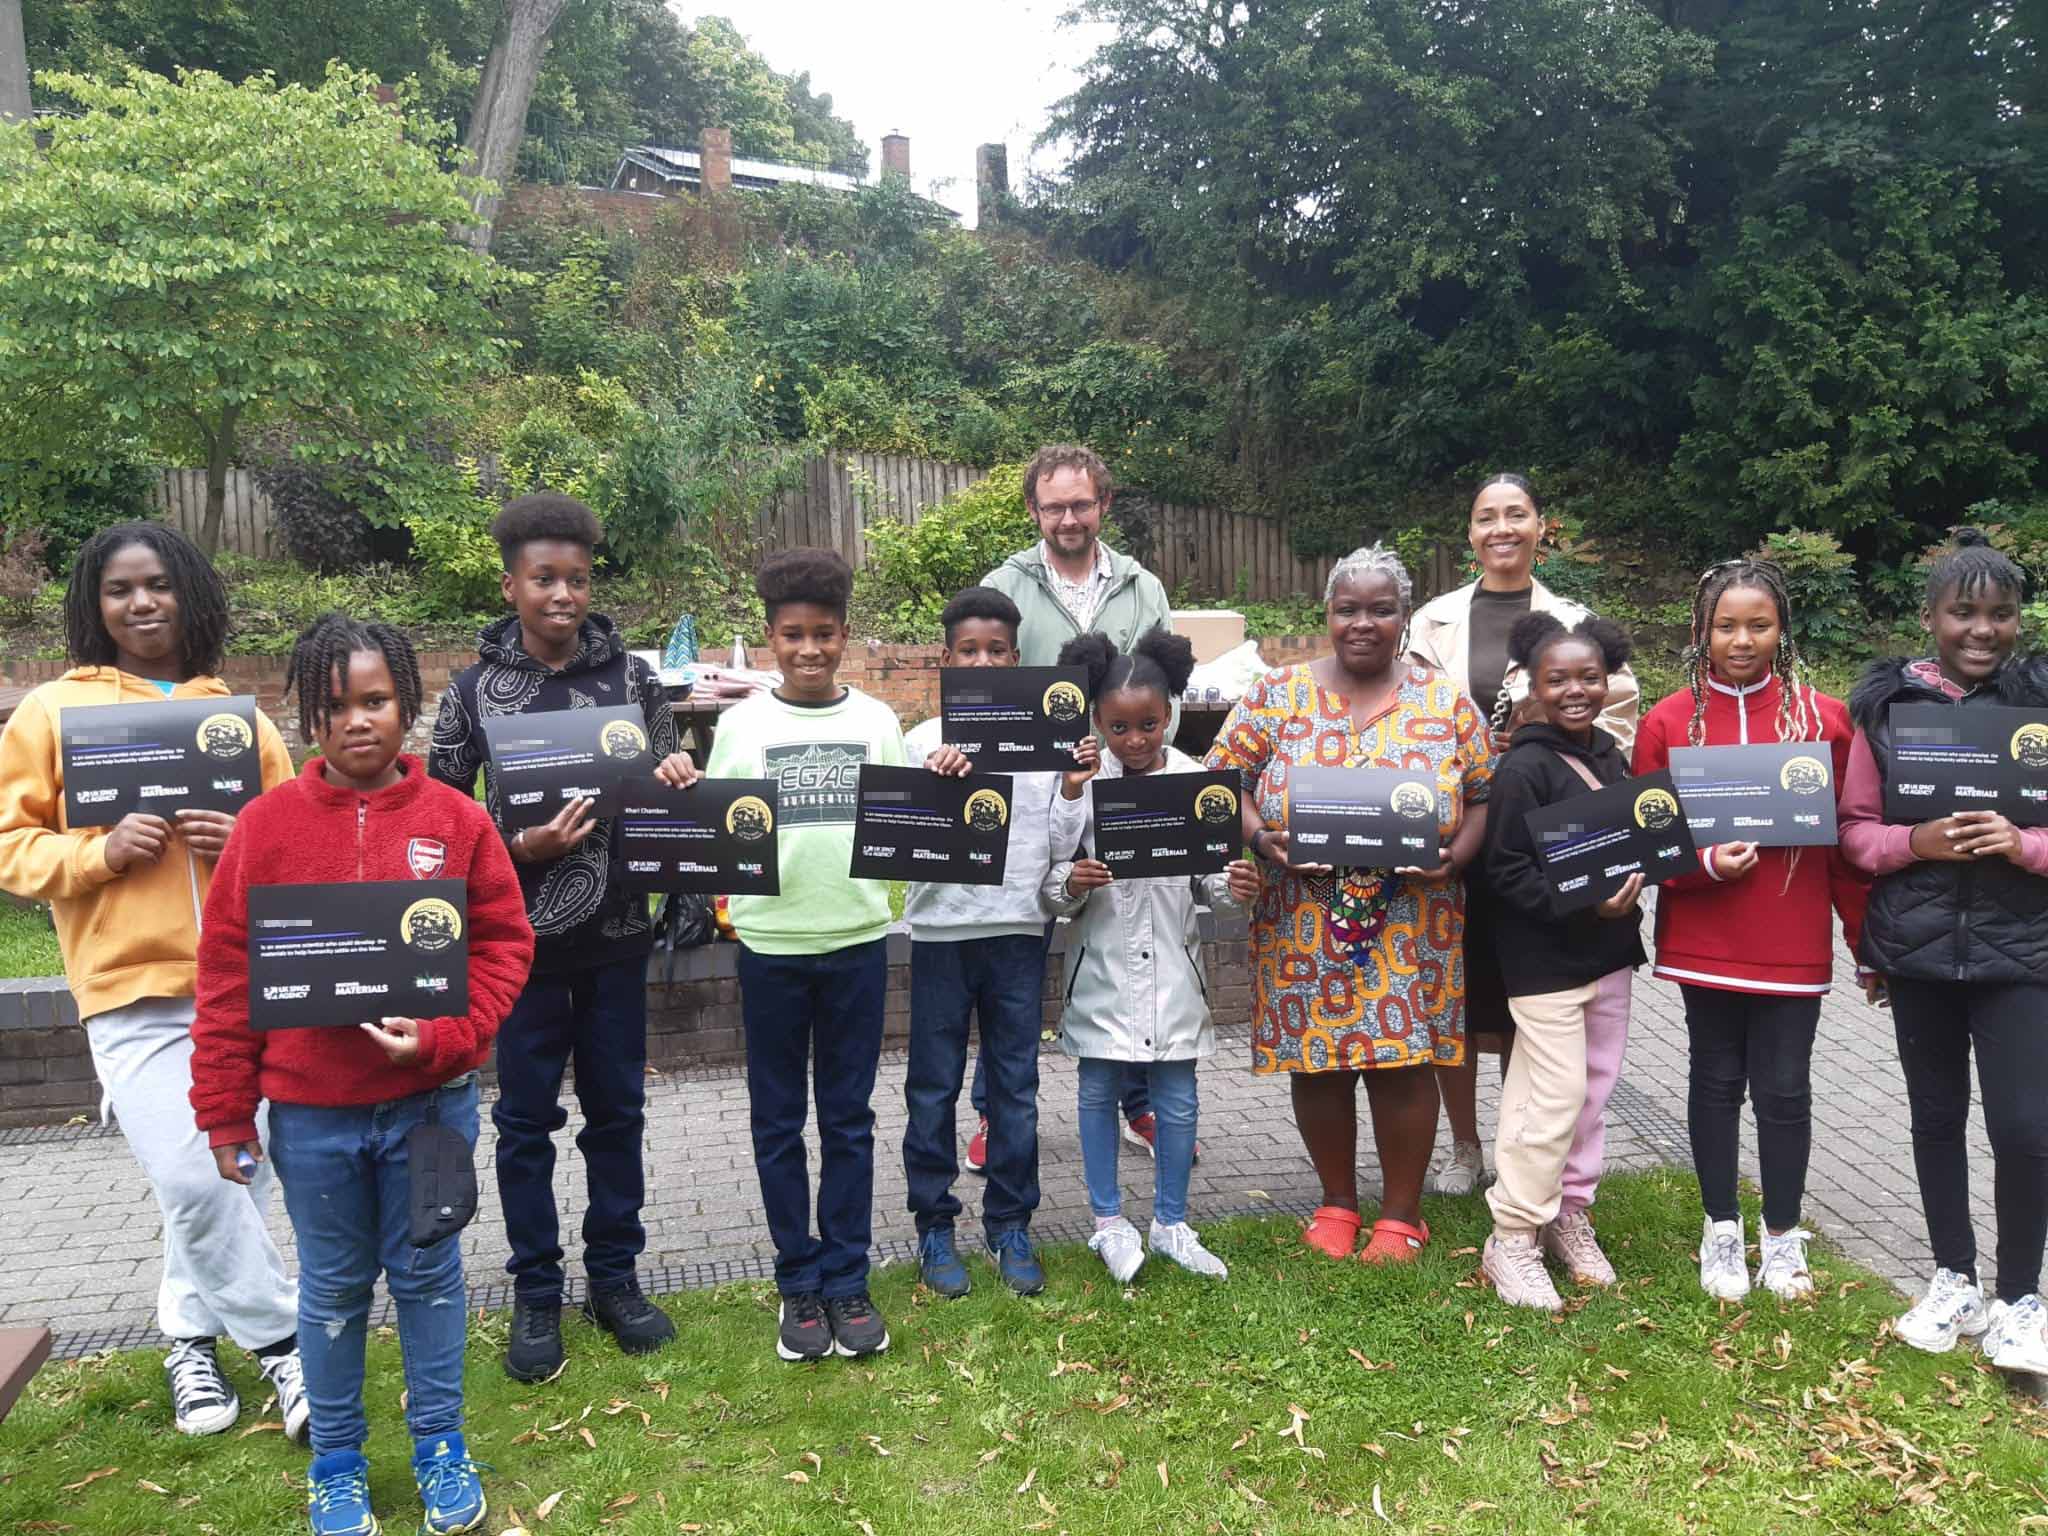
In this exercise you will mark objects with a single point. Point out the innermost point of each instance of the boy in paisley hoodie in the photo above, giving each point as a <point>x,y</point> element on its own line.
<point>587,1000</point>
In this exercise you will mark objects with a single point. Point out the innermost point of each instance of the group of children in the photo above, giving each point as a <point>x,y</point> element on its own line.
<point>152,918</point>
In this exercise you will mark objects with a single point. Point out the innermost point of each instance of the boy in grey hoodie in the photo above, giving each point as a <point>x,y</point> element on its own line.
<point>980,950</point>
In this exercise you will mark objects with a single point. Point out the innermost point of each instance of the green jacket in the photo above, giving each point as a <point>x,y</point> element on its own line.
<point>1134,603</point>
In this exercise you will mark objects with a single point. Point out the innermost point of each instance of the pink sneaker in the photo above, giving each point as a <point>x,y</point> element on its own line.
<point>1512,1264</point>
<point>1570,1240</point>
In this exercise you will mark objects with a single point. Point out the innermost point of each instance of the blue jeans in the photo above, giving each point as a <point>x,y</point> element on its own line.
<point>816,1016</point>
<point>1172,1085</point>
<point>347,1189</point>
<point>596,1018</point>
<point>1000,980</point>
<point>1137,1098</point>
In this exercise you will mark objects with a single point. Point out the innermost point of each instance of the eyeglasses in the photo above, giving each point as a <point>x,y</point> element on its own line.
<point>1060,511</point>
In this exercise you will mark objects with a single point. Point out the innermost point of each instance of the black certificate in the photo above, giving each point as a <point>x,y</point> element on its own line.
<point>1591,844</point>
<point>1984,758</point>
<point>158,758</point>
<point>1014,719</point>
<point>913,824</point>
<point>1362,818</point>
<point>543,761</point>
<point>1167,824</point>
<point>716,837</point>
<point>357,951</point>
<point>1777,794</point>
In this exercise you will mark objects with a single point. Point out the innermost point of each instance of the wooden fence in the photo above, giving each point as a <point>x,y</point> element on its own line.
<point>842,494</point>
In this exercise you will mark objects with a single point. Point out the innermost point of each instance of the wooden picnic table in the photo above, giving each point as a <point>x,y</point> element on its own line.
<point>22,1352</point>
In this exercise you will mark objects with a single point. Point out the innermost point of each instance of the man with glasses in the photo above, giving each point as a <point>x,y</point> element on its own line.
<point>1068,584</point>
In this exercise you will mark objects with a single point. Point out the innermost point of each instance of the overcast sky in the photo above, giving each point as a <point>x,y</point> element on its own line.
<point>952,74</point>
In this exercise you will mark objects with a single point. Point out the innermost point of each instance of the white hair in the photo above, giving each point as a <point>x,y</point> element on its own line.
<point>1372,560</point>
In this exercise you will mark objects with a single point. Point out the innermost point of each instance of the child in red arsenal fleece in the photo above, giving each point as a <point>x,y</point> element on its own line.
<point>1750,937</point>
<point>343,1101</point>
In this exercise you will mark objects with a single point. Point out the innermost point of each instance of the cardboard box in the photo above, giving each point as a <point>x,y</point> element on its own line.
<point>1212,631</point>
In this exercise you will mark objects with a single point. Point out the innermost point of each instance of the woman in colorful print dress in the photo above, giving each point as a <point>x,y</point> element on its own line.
<point>1360,973</point>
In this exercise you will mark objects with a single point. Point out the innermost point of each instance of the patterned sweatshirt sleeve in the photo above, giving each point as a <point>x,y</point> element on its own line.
<point>500,956</point>
<point>662,736</point>
<point>457,754</point>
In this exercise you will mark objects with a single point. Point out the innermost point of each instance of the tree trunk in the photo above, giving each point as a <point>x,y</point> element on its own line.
<point>14,104</point>
<point>498,120</point>
<point>220,453</point>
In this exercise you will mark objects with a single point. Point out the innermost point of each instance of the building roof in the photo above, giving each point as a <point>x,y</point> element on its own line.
<point>686,167</point>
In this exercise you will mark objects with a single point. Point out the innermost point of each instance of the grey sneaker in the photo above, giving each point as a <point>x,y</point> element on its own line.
<point>2014,1340</point>
<point>1724,1275</point>
<point>1463,1172</point>
<point>1781,1264</point>
<point>1182,1244</point>
<point>1512,1264</point>
<point>1570,1240</point>
<point>1952,1309</point>
<point>287,1377</point>
<point>1121,1249</point>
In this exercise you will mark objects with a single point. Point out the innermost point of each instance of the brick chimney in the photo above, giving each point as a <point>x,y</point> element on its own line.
<point>716,154</point>
<point>896,155</point>
<point>991,181</point>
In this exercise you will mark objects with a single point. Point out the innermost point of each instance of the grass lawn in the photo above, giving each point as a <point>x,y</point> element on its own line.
<point>28,944</point>
<point>1301,1395</point>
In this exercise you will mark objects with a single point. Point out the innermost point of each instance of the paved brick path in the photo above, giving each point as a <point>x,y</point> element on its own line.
<point>81,1227</point>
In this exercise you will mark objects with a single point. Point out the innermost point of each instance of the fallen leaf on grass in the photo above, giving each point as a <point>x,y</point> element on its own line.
<point>1163,1482</point>
<point>90,1478</point>
<point>876,1442</point>
<point>547,1505</point>
<point>148,1487</point>
<point>587,1437</point>
<point>989,1455</point>
<point>624,1501</point>
<point>267,1426</point>
<point>1047,1504</point>
<point>796,1477</point>
<point>1029,1478</point>
<point>1379,1505</point>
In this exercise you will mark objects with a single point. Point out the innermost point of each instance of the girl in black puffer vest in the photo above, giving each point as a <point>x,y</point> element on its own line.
<point>1957,931</point>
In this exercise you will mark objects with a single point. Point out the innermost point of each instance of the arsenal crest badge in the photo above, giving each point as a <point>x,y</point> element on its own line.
<point>425,856</point>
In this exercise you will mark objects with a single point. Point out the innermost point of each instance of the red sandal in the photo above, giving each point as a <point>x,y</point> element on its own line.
<point>1394,1242</point>
<point>1332,1230</point>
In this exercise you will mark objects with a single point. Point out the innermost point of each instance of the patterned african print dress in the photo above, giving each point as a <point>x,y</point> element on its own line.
<point>1363,968</point>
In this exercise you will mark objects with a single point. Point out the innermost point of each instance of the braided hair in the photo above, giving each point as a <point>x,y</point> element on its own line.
<point>1158,660</point>
<point>1798,716</point>
<point>202,598</point>
<point>1969,565</point>
<point>320,655</point>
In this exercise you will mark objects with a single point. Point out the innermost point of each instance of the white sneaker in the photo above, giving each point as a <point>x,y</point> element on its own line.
<point>1952,1309</point>
<point>1463,1172</point>
<point>1723,1273</point>
<point>2013,1337</point>
<point>1122,1250</point>
<point>1513,1265</point>
<point>1571,1241</point>
<point>1781,1264</point>
<point>202,1400</point>
<point>1182,1244</point>
<point>287,1377</point>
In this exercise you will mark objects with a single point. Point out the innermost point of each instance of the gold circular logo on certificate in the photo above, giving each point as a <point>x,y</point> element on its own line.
<point>1804,775</point>
<point>622,738</point>
<point>749,819</point>
<point>225,736</point>
<point>1065,702</point>
<point>1414,800</point>
<point>2030,745</point>
<point>430,925</point>
<point>1216,806</point>
<point>986,811</point>
<point>1656,809</point>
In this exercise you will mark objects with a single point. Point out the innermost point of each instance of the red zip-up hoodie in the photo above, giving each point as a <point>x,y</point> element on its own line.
<point>307,831</point>
<point>1772,931</point>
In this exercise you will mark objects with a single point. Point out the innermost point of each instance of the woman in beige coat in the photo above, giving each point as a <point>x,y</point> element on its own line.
<point>1464,634</point>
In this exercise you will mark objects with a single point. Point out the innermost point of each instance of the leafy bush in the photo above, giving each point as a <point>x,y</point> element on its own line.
<point>1820,579</point>
<point>69,504</point>
<point>450,524</point>
<point>919,566</point>
<point>317,508</point>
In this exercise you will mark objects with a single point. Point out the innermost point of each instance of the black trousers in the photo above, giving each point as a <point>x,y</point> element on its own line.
<point>1938,1025</point>
<point>1765,1044</point>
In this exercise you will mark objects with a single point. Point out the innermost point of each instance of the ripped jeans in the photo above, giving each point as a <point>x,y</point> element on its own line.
<point>347,1190</point>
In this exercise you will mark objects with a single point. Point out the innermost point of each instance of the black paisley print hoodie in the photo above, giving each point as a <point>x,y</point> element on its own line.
<point>580,918</point>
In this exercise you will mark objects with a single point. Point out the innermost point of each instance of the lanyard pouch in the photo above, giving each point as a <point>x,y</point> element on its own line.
<point>442,1169</point>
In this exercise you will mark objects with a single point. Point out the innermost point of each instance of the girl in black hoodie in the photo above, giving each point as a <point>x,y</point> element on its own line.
<point>1567,974</point>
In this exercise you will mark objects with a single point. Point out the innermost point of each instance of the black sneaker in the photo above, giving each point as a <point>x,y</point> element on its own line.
<point>637,1323</point>
<point>535,1352</point>
<point>202,1401</point>
<point>857,1328</point>
<point>806,1334</point>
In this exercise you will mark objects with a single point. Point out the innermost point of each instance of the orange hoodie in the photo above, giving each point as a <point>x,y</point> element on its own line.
<point>125,936</point>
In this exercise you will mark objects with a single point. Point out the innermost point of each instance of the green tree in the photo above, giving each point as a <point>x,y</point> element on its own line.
<point>191,260</point>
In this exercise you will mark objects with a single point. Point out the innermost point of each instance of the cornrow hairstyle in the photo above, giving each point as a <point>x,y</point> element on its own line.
<point>202,598</point>
<point>322,651</point>
<point>1969,565</point>
<point>1159,660</point>
<point>980,603</point>
<point>544,515</point>
<point>1373,560</point>
<point>1798,715</point>
<point>1535,633</point>
<point>816,576</point>
<point>1518,482</point>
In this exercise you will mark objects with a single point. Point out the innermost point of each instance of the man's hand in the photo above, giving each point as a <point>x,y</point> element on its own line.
<point>399,1039</point>
<point>538,845</point>
<point>137,839</point>
<point>678,770</point>
<point>949,762</point>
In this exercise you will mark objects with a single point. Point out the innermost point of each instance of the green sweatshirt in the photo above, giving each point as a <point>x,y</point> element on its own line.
<point>814,754</point>
<point>1134,603</point>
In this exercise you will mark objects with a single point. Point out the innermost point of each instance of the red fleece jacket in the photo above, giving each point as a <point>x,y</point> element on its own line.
<point>307,831</point>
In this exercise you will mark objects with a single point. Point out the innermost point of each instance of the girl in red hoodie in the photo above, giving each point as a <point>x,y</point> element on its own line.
<point>343,1101</point>
<point>1750,937</point>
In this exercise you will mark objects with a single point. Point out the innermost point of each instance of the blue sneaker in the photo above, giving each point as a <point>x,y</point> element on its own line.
<point>338,1495</point>
<point>1015,1261</point>
<point>938,1263</point>
<point>450,1488</point>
